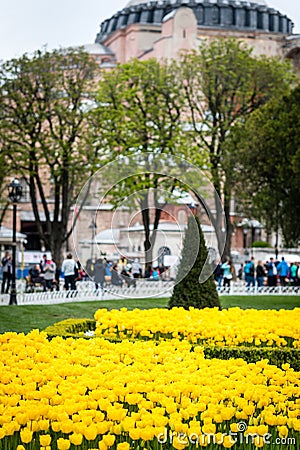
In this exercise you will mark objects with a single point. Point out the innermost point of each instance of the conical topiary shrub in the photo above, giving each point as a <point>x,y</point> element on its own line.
<point>188,291</point>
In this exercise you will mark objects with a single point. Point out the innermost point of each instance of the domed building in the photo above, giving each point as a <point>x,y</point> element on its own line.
<point>162,28</point>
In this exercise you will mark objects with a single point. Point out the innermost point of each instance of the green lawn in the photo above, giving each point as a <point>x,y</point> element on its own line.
<point>26,318</point>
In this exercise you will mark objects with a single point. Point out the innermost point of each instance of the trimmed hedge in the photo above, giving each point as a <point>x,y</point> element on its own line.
<point>261,244</point>
<point>277,356</point>
<point>71,328</point>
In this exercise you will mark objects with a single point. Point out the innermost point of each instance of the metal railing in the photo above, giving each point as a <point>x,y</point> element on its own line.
<point>85,291</point>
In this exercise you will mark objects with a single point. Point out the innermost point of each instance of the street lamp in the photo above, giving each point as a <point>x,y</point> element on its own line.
<point>93,227</point>
<point>245,243</point>
<point>14,194</point>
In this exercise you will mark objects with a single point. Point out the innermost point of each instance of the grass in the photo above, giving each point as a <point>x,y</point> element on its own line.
<point>25,318</point>
<point>261,301</point>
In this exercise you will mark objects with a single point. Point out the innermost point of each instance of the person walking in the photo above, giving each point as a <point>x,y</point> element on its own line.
<point>99,275</point>
<point>218,274</point>
<point>260,274</point>
<point>70,270</point>
<point>227,275</point>
<point>249,273</point>
<point>49,273</point>
<point>6,272</point>
<point>294,270</point>
<point>136,269</point>
<point>283,270</point>
<point>271,273</point>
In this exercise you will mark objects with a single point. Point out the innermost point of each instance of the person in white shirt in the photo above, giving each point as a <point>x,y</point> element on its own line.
<point>70,271</point>
<point>136,269</point>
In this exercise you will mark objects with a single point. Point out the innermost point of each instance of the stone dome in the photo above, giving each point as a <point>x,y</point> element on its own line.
<point>139,2</point>
<point>135,2</point>
<point>217,14</point>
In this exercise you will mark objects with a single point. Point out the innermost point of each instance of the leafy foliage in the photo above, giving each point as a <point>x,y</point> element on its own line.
<point>223,84</point>
<point>139,108</point>
<point>44,132</point>
<point>268,164</point>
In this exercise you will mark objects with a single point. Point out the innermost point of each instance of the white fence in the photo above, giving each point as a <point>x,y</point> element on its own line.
<point>86,292</point>
<point>145,289</point>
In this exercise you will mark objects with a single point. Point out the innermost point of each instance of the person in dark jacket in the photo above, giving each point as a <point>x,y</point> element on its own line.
<point>6,272</point>
<point>116,278</point>
<point>260,274</point>
<point>283,270</point>
<point>272,273</point>
<point>128,277</point>
<point>36,277</point>
<point>99,275</point>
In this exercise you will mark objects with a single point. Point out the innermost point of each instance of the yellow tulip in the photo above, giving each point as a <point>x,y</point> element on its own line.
<point>102,445</point>
<point>123,446</point>
<point>63,444</point>
<point>45,440</point>
<point>109,440</point>
<point>179,443</point>
<point>283,431</point>
<point>258,441</point>
<point>26,436</point>
<point>76,438</point>
<point>228,441</point>
<point>90,432</point>
<point>135,434</point>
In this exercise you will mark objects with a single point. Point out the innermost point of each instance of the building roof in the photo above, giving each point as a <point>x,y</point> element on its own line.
<point>108,236</point>
<point>138,2</point>
<point>113,235</point>
<point>254,15</point>
<point>6,235</point>
<point>97,49</point>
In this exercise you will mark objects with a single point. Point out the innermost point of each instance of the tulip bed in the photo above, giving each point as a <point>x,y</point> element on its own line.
<point>209,326</point>
<point>96,394</point>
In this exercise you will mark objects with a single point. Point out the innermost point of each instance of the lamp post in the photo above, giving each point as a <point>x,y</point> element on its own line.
<point>14,194</point>
<point>245,243</point>
<point>93,227</point>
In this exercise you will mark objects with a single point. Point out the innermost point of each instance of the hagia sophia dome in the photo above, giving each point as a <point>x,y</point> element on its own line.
<point>224,14</point>
<point>163,28</point>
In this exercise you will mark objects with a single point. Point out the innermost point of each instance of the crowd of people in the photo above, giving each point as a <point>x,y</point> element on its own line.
<point>270,273</point>
<point>102,271</point>
<point>121,273</point>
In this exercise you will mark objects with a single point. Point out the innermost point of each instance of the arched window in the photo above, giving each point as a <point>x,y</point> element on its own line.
<point>215,16</point>
<point>230,16</point>
<point>200,15</point>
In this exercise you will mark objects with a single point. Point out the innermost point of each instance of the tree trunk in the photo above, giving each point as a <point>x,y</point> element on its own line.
<point>57,244</point>
<point>229,226</point>
<point>216,220</point>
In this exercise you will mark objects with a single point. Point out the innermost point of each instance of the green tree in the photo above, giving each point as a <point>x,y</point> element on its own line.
<point>139,108</point>
<point>189,290</point>
<point>223,84</point>
<point>268,166</point>
<point>44,130</point>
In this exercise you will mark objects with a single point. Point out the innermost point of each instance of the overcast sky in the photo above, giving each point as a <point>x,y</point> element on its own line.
<point>28,25</point>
